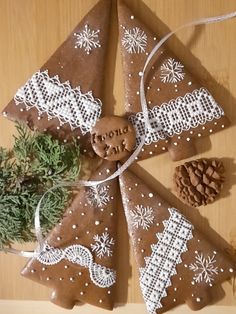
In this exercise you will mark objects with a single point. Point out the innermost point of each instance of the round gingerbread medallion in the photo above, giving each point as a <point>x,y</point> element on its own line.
<point>113,138</point>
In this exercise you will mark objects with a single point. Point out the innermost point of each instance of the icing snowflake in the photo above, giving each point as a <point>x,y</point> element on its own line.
<point>172,71</point>
<point>142,217</point>
<point>98,195</point>
<point>87,39</point>
<point>134,40</point>
<point>204,268</point>
<point>103,244</point>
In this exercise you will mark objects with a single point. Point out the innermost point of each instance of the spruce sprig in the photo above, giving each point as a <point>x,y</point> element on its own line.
<point>34,164</point>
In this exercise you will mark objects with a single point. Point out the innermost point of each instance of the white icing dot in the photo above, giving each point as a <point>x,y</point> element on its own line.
<point>109,292</point>
<point>185,265</point>
<point>137,93</point>
<point>150,153</point>
<point>210,131</point>
<point>60,278</point>
<point>179,137</point>
<point>142,195</point>
<point>87,232</point>
<point>70,212</point>
<point>97,222</point>
<point>81,293</point>
<point>176,90</point>
<point>106,229</point>
<point>21,109</point>
<point>76,238</point>
<point>196,252</point>
<point>39,118</point>
<point>66,266</point>
<point>203,127</point>
<point>222,126</point>
<point>131,62</point>
<point>189,83</point>
<point>48,278</point>
<point>130,75</point>
<point>157,223</point>
<point>136,184</point>
<point>148,87</point>
<point>72,279</point>
<point>140,73</point>
<point>58,128</point>
<point>32,270</point>
<point>100,173</point>
<point>142,250</point>
<point>176,85</point>
<point>163,148</point>
<point>191,132</point>
<point>132,17</point>
<point>199,135</point>
<point>222,270</point>
<point>142,149</point>
<point>43,269</point>
<point>187,139</point>
<point>159,204</point>
<point>180,278</point>
<point>102,209</point>
<point>175,143</point>
<point>214,252</point>
<point>65,141</point>
<point>74,226</point>
<point>175,289</point>
<point>154,38</point>
<point>231,270</point>
<point>158,89</point>
<point>84,150</point>
<point>192,283</point>
<point>198,300</point>
<point>100,301</point>
<point>139,239</point>
<point>108,170</point>
<point>174,300</point>
<point>82,214</point>
<point>215,123</point>
<point>4,114</point>
<point>86,284</point>
<point>111,214</point>
<point>58,238</point>
<point>150,194</point>
<point>80,273</point>
<point>129,189</point>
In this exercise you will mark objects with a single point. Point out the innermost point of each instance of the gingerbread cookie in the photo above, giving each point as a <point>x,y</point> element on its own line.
<point>180,108</point>
<point>64,98</point>
<point>177,263</point>
<point>113,138</point>
<point>198,182</point>
<point>78,259</point>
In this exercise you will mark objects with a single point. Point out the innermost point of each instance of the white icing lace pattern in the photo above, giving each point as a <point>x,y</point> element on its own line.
<point>59,100</point>
<point>178,115</point>
<point>101,276</point>
<point>155,277</point>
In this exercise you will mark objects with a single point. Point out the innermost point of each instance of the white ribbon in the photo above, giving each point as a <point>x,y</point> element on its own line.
<point>132,158</point>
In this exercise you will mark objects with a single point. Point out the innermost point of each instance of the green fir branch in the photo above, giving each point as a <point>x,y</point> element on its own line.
<point>35,163</point>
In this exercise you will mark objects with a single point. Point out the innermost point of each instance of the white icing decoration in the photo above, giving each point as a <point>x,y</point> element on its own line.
<point>204,268</point>
<point>100,275</point>
<point>98,195</point>
<point>178,115</point>
<point>50,256</point>
<point>59,100</point>
<point>155,277</point>
<point>103,244</point>
<point>87,39</point>
<point>134,40</point>
<point>141,217</point>
<point>172,71</point>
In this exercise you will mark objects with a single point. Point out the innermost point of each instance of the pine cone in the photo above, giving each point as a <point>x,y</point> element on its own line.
<point>198,182</point>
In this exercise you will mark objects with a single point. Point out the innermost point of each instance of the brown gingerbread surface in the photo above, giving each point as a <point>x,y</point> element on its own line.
<point>87,276</point>
<point>181,109</point>
<point>177,263</point>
